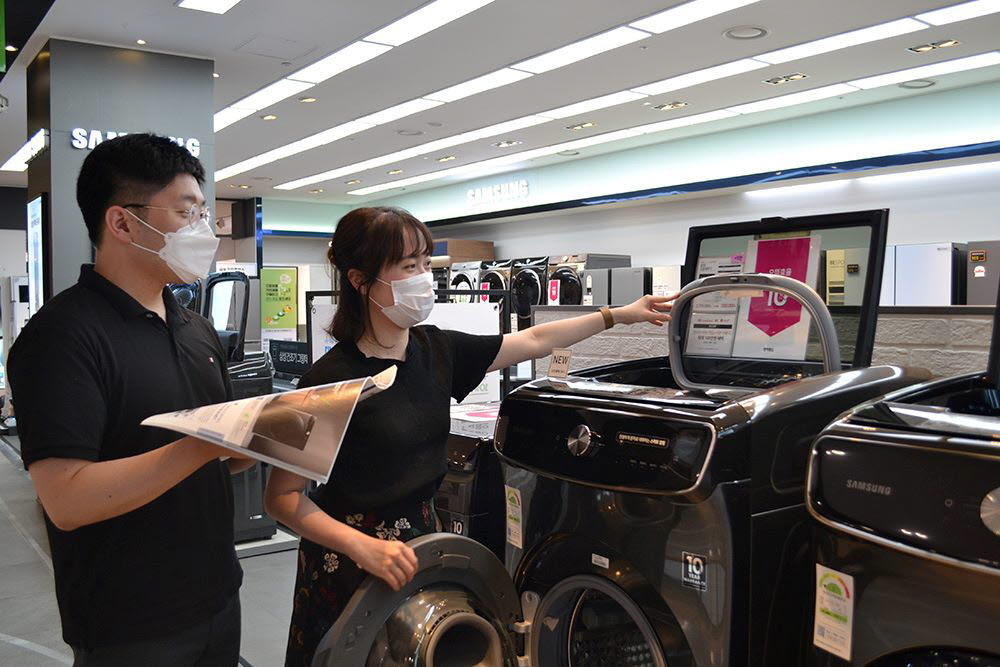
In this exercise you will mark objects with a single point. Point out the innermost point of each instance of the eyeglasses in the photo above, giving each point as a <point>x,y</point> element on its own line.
<point>193,214</point>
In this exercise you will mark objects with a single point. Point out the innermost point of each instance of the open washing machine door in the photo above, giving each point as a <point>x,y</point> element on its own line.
<point>461,608</point>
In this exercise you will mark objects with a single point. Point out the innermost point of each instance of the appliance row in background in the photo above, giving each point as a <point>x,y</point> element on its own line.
<point>923,274</point>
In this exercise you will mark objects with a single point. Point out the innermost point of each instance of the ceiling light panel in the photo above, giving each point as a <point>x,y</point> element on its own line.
<point>937,69</point>
<point>350,56</point>
<point>795,98</point>
<point>489,81</point>
<point>19,160</point>
<point>688,13</point>
<point>842,41</point>
<point>400,111</point>
<point>700,76</point>
<point>582,50</point>
<point>427,18</point>
<point>586,106</point>
<point>963,12</point>
<point>228,116</point>
<point>213,6</point>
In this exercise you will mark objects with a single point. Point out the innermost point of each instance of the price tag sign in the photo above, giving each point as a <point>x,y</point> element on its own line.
<point>559,364</point>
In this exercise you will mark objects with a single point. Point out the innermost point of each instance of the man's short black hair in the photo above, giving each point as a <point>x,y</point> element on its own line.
<point>129,170</point>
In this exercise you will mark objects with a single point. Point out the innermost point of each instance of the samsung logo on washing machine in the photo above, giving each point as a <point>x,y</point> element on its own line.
<point>85,139</point>
<point>869,487</point>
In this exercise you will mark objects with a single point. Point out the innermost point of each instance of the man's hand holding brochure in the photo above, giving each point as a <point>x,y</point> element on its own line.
<point>300,431</point>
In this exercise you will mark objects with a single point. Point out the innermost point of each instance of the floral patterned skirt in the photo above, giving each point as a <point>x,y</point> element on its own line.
<point>326,580</point>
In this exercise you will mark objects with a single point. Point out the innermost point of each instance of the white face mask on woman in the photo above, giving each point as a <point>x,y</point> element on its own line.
<point>413,300</point>
<point>189,251</point>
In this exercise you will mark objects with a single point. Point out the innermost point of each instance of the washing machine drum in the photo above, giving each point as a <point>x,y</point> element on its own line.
<point>494,280</point>
<point>526,290</point>
<point>570,286</point>
<point>462,281</point>
<point>187,296</point>
<point>456,611</point>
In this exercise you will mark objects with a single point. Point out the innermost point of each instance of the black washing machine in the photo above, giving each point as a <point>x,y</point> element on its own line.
<point>565,286</point>
<point>527,289</point>
<point>187,295</point>
<point>494,274</point>
<point>652,508</point>
<point>906,496</point>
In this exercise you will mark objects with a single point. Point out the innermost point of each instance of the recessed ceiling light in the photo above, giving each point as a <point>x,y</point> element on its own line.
<point>917,84</point>
<point>788,78</point>
<point>232,185</point>
<point>581,126</point>
<point>316,191</point>
<point>842,41</point>
<point>409,133</point>
<point>269,116</point>
<point>507,143</point>
<point>446,158</point>
<point>568,153</point>
<point>434,123</point>
<point>746,32</point>
<point>431,16</point>
<point>307,100</point>
<point>353,181</point>
<point>10,48</point>
<point>393,172</point>
<point>946,43</point>
<point>140,42</point>
<point>215,75</point>
<point>923,48</point>
<point>670,106</point>
<point>244,187</point>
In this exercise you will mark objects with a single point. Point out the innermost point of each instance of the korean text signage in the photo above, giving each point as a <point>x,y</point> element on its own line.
<point>278,297</point>
<point>84,139</point>
<point>772,313</point>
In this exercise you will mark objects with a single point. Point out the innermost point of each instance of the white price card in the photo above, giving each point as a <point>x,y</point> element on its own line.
<point>834,618</point>
<point>559,364</point>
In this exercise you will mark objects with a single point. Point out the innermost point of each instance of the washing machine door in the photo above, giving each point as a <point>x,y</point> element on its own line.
<point>493,280</point>
<point>457,610</point>
<point>570,286</point>
<point>526,290</point>
<point>464,282</point>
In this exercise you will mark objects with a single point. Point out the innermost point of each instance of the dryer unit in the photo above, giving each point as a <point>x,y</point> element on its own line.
<point>630,283</point>
<point>565,284</point>
<point>527,288</point>
<point>464,276</point>
<point>845,276</point>
<point>983,273</point>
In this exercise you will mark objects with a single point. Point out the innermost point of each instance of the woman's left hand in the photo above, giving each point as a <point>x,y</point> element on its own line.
<point>653,309</point>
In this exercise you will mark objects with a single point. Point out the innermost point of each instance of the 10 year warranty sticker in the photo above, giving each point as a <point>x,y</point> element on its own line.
<point>834,611</point>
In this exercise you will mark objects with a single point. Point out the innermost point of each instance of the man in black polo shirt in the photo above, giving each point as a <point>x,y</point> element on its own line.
<point>140,524</point>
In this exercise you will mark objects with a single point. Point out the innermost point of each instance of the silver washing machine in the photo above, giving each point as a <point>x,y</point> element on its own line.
<point>464,276</point>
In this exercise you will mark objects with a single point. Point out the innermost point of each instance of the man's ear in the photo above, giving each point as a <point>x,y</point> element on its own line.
<point>116,224</point>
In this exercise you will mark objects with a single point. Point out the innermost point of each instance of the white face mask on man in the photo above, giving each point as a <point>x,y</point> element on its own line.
<point>413,300</point>
<point>189,251</point>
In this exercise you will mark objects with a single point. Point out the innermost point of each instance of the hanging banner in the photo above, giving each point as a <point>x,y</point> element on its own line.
<point>278,311</point>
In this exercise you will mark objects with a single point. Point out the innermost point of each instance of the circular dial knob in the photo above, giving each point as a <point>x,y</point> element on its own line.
<point>581,442</point>
<point>989,510</point>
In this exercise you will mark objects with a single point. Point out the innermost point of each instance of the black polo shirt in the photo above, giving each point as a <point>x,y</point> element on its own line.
<point>84,372</point>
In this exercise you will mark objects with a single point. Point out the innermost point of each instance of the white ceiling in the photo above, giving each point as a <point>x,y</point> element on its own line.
<point>502,33</point>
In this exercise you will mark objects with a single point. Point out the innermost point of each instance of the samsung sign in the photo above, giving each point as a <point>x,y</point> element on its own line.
<point>87,139</point>
<point>501,192</point>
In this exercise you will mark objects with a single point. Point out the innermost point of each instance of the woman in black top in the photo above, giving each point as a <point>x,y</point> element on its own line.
<point>393,455</point>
